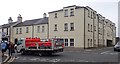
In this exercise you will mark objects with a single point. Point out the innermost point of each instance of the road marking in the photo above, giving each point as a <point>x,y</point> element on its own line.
<point>34,59</point>
<point>6,58</point>
<point>104,52</point>
<point>54,60</point>
<point>108,52</point>
<point>11,59</point>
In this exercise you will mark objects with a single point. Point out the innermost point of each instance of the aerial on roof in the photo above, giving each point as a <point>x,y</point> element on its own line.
<point>33,22</point>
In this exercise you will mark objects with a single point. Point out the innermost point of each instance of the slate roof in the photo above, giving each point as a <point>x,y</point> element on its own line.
<point>33,22</point>
<point>8,25</point>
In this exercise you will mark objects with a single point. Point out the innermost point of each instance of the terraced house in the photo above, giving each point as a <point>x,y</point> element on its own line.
<point>79,26</point>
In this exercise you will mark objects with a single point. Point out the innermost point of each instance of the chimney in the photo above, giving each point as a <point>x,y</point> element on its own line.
<point>19,18</point>
<point>10,20</point>
<point>44,15</point>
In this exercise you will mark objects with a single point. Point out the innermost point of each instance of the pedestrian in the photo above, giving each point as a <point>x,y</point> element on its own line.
<point>11,48</point>
<point>3,46</point>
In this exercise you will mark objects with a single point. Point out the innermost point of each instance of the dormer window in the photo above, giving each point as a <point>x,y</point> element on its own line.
<point>71,12</point>
<point>55,15</point>
<point>66,13</point>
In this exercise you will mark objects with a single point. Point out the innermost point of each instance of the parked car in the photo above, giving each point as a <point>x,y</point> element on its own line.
<point>117,46</point>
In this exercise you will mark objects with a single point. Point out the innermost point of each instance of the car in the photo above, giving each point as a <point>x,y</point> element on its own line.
<point>117,46</point>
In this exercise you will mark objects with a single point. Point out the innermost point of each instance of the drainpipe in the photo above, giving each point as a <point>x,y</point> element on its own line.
<point>93,29</point>
<point>48,31</point>
<point>32,31</point>
<point>84,28</point>
<point>98,29</point>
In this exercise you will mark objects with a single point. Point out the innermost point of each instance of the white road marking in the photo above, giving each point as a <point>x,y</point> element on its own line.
<point>11,59</point>
<point>108,52</point>
<point>54,60</point>
<point>34,59</point>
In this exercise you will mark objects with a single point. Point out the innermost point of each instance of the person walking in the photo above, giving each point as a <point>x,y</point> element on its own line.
<point>11,48</point>
<point>3,46</point>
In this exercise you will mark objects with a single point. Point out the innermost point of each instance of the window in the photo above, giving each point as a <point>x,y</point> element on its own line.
<point>91,43</point>
<point>66,27</point>
<point>27,29</point>
<point>55,15</point>
<point>43,28</point>
<point>91,28</point>
<point>16,30</point>
<point>66,13</point>
<point>88,27</point>
<point>20,31</point>
<point>71,42</point>
<point>94,15</point>
<point>88,42</point>
<point>55,27</point>
<point>38,29</point>
<point>95,28</point>
<point>66,42</point>
<point>72,26</point>
<point>91,15</point>
<point>88,13</point>
<point>72,12</point>
<point>7,31</point>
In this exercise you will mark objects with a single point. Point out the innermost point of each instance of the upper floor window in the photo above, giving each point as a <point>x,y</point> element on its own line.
<point>91,28</point>
<point>88,13</point>
<point>20,31</point>
<point>66,13</point>
<point>43,28</point>
<point>7,31</point>
<point>71,12</point>
<point>91,14</point>
<point>38,29</point>
<point>94,15</point>
<point>95,28</point>
<point>88,27</point>
<point>27,29</point>
<point>16,30</point>
<point>55,27</point>
<point>66,27</point>
<point>55,15</point>
<point>72,26</point>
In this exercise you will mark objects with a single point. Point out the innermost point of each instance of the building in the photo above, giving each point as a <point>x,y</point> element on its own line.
<point>7,29</point>
<point>118,19</point>
<point>31,28</point>
<point>0,33</point>
<point>79,26</point>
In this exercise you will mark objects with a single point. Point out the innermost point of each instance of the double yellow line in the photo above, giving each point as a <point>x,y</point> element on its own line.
<point>8,59</point>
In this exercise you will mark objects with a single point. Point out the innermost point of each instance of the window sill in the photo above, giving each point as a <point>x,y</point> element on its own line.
<point>55,30</point>
<point>65,16</point>
<point>71,30</point>
<point>71,15</point>
<point>65,30</point>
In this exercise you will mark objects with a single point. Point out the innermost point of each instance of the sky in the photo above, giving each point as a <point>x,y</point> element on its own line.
<point>33,9</point>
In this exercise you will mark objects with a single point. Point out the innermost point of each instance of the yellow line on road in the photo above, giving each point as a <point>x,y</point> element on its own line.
<point>6,58</point>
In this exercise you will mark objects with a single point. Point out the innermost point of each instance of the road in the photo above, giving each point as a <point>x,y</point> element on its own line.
<point>89,55</point>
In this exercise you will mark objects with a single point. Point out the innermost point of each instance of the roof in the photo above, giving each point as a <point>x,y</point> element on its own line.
<point>76,7</point>
<point>33,22</point>
<point>8,25</point>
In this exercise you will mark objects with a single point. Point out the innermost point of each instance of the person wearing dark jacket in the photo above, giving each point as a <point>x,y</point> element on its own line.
<point>11,48</point>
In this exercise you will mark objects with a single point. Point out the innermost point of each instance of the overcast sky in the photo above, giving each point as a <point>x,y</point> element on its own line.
<point>32,9</point>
